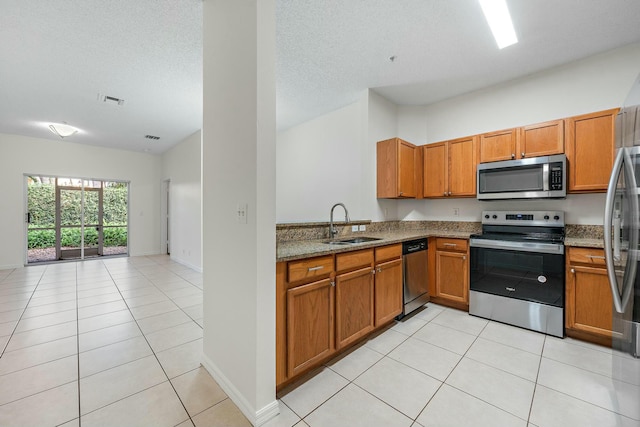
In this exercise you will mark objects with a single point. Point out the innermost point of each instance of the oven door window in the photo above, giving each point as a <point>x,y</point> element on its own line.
<point>504,180</point>
<point>527,276</point>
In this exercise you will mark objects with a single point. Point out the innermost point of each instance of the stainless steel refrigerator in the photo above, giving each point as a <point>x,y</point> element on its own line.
<point>622,237</point>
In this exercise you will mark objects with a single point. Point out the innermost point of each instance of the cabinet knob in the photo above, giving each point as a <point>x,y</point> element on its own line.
<point>379,269</point>
<point>449,193</point>
<point>333,283</point>
<point>464,257</point>
<point>522,154</point>
<point>401,193</point>
<point>445,193</point>
<point>573,270</point>
<point>513,156</point>
<point>373,271</point>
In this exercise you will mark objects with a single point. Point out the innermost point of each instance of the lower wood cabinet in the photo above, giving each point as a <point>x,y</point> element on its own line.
<point>589,303</point>
<point>449,277</point>
<point>388,290</point>
<point>325,304</point>
<point>310,324</point>
<point>354,306</point>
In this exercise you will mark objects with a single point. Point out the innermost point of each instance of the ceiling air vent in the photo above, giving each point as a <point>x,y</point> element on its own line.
<point>111,100</point>
<point>155,138</point>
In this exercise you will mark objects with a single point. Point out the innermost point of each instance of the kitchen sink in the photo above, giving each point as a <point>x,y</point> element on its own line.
<point>352,240</point>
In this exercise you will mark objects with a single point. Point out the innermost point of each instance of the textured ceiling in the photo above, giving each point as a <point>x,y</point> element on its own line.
<point>56,56</point>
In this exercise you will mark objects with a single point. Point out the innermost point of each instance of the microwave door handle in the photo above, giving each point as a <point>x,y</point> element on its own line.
<point>545,177</point>
<point>608,221</point>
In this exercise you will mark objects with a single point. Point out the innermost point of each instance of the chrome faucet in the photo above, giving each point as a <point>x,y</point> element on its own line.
<point>332,228</point>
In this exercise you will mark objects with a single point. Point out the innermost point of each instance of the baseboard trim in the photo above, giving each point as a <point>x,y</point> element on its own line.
<point>256,418</point>
<point>186,264</point>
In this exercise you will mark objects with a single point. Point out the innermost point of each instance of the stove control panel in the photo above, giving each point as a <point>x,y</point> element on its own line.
<point>534,218</point>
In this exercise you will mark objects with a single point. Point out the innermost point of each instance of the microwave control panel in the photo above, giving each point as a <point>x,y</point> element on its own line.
<point>555,177</point>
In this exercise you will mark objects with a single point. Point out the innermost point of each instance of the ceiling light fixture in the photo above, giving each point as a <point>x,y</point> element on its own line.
<point>62,129</point>
<point>497,14</point>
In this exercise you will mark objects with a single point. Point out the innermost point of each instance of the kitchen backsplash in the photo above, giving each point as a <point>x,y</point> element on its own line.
<point>320,230</point>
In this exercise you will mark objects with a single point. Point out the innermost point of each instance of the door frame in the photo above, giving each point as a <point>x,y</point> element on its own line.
<point>25,192</point>
<point>165,217</point>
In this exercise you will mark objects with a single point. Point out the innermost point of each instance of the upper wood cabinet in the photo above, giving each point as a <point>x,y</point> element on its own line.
<point>450,168</point>
<point>499,145</point>
<point>542,139</point>
<point>398,162</point>
<point>590,147</point>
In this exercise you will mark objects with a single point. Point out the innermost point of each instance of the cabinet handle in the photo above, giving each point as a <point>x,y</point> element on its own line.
<point>595,257</point>
<point>320,267</point>
<point>451,244</point>
<point>513,156</point>
<point>464,257</point>
<point>573,270</point>
<point>522,154</point>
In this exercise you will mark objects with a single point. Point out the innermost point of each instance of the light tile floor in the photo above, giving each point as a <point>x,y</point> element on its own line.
<point>118,341</point>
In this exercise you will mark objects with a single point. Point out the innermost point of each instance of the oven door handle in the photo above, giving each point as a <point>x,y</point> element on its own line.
<point>547,248</point>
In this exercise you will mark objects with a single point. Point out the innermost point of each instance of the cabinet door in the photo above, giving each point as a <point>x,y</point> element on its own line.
<point>542,139</point>
<point>590,141</point>
<point>310,328</point>
<point>589,301</point>
<point>462,167</point>
<point>354,306</point>
<point>395,169</point>
<point>406,169</point>
<point>388,291</point>
<point>435,170</point>
<point>496,146</point>
<point>452,276</point>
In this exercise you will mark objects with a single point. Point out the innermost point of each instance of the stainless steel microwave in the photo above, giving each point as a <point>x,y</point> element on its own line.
<point>533,178</point>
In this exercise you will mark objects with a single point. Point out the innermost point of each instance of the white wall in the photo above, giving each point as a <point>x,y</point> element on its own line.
<point>181,166</point>
<point>593,84</point>
<point>20,155</point>
<point>319,164</point>
<point>238,164</point>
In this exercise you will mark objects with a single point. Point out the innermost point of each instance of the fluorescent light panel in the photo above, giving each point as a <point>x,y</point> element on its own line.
<point>499,19</point>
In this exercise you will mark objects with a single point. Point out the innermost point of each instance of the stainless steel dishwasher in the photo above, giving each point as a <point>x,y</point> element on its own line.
<point>414,277</point>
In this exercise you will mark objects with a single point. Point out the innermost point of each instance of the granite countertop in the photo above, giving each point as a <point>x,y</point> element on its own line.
<point>583,242</point>
<point>588,236</point>
<point>298,249</point>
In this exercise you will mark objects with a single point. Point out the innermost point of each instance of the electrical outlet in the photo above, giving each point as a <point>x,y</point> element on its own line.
<point>362,227</point>
<point>354,228</point>
<point>456,211</point>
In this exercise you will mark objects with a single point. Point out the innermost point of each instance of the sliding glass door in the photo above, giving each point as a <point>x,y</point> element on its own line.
<point>73,218</point>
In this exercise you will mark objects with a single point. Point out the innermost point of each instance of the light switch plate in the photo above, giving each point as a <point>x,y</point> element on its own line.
<point>242,213</point>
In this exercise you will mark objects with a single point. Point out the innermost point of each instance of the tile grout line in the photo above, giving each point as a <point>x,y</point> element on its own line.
<point>22,314</point>
<point>153,351</point>
<point>78,351</point>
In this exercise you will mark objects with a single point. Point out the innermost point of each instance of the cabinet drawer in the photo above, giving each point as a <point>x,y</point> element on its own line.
<point>388,252</point>
<point>592,256</point>
<point>309,268</point>
<point>353,260</point>
<point>452,244</point>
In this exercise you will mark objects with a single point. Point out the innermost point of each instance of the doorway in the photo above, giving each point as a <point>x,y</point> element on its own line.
<point>75,218</point>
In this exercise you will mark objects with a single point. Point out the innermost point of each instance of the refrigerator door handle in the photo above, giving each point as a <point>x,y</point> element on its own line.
<point>608,222</point>
<point>632,253</point>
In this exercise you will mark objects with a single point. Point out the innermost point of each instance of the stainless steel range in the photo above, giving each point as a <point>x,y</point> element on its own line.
<point>517,270</point>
